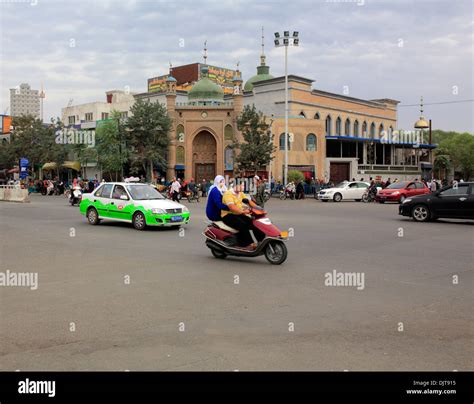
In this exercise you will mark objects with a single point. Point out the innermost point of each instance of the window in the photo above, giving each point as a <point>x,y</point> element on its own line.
<point>362,185</point>
<point>228,158</point>
<point>381,129</point>
<point>311,142</point>
<point>411,186</point>
<point>317,116</point>
<point>338,126</point>
<point>419,185</point>
<point>180,155</point>
<point>461,189</point>
<point>228,132</point>
<point>353,185</point>
<point>89,116</point>
<point>372,130</point>
<point>364,129</point>
<point>328,125</point>
<point>124,114</point>
<point>72,120</point>
<point>356,128</point>
<point>180,133</point>
<point>119,190</point>
<point>105,191</point>
<point>282,142</point>
<point>105,115</point>
<point>347,127</point>
<point>302,114</point>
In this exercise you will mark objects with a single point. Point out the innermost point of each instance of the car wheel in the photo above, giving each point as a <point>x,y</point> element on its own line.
<point>139,221</point>
<point>420,213</point>
<point>402,198</point>
<point>93,216</point>
<point>337,197</point>
<point>218,254</point>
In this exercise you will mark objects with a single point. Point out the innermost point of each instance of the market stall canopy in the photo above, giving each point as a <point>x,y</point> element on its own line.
<point>75,165</point>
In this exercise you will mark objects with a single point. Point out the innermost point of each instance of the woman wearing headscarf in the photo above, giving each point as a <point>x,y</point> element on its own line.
<point>214,199</point>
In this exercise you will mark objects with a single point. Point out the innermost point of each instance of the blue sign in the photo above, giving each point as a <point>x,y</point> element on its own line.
<point>23,168</point>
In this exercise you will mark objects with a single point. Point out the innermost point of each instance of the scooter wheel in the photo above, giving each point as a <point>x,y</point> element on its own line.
<point>276,252</point>
<point>218,254</point>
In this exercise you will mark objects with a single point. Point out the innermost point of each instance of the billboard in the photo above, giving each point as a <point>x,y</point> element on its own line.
<point>5,124</point>
<point>187,75</point>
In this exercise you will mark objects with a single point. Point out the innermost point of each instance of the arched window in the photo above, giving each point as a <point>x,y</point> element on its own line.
<point>180,155</point>
<point>311,142</point>
<point>228,132</point>
<point>364,129</point>
<point>381,129</point>
<point>180,133</point>
<point>356,128</point>
<point>302,114</point>
<point>347,127</point>
<point>229,159</point>
<point>338,126</point>
<point>390,129</point>
<point>372,130</point>
<point>317,116</point>
<point>282,142</point>
<point>328,125</point>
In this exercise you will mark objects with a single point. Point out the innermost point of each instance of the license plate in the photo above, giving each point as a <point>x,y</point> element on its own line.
<point>176,218</point>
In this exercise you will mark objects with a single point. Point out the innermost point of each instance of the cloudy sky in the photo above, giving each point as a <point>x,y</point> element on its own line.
<point>398,49</point>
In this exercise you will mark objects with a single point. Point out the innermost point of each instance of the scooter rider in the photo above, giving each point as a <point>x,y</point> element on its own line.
<point>236,217</point>
<point>214,200</point>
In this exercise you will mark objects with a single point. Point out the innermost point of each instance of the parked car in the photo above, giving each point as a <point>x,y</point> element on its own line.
<point>455,201</point>
<point>136,203</point>
<point>344,190</point>
<point>399,191</point>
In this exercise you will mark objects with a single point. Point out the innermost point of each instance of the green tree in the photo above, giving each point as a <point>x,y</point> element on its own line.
<point>460,149</point>
<point>147,136</point>
<point>110,149</point>
<point>295,176</point>
<point>257,150</point>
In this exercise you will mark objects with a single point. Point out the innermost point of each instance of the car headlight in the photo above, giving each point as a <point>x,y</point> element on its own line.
<point>407,200</point>
<point>185,209</point>
<point>396,193</point>
<point>158,211</point>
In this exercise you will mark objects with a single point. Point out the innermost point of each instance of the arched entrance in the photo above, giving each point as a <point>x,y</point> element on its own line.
<point>204,156</point>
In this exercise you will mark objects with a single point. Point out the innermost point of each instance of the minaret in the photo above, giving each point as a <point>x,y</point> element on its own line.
<point>42,95</point>
<point>171,108</point>
<point>238,95</point>
<point>263,68</point>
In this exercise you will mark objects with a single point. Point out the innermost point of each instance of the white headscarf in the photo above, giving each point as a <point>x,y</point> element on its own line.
<point>217,181</point>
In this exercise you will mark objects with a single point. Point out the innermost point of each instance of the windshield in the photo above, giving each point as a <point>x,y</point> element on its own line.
<point>397,185</point>
<point>143,192</point>
<point>341,184</point>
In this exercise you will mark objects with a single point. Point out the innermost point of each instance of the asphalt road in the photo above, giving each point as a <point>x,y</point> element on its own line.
<point>175,282</point>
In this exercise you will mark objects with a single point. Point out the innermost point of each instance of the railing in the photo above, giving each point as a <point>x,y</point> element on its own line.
<point>200,104</point>
<point>378,167</point>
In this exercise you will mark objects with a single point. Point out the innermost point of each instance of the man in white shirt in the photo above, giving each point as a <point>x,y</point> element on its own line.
<point>175,188</point>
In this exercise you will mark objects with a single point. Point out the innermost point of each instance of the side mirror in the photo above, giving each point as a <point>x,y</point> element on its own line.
<point>124,197</point>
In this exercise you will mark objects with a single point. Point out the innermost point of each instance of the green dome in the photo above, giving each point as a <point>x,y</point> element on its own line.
<point>205,89</point>
<point>263,73</point>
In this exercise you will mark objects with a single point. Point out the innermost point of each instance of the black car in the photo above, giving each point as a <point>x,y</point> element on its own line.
<point>455,201</point>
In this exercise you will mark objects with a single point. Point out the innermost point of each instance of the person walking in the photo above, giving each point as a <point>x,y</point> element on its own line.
<point>175,188</point>
<point>260,191</point>
<point>433,185</point>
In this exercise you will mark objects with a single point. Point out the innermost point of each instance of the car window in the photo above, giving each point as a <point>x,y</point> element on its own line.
<point>419,185</point>
<point>105,191</point>
<point>143,192</point>
<point>119,190</point>
<point>459,190</point>
<point>411,186</point>
<point>98,191</point>
<point>362,185</point>
<point>353,185</point>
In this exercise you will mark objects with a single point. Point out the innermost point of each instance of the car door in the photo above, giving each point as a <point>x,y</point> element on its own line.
<point>453,202</point>
<point>420,188</point>
<point>120,205</point>
<point>361,188</point>
<point>351,191</point>
<point>410,189</point>
<point>101,199</point>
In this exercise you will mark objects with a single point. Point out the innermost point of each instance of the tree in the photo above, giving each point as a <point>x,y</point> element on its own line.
<point>459,149</point>
<point>111,152</point>
<point>257,150</point>
<point>147,136</point>
<point>295,176</point>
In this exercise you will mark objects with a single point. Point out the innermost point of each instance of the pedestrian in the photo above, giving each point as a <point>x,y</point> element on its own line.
<point>175,187</point>
<point>260,192</point>
<point>433,186</point>
<point>204,188</point>
<point>388,182</point>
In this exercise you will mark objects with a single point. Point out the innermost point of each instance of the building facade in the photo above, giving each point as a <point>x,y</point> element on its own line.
<point>24,101</point>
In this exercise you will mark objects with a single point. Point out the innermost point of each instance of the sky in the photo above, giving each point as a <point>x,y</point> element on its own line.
<point>369,49</point>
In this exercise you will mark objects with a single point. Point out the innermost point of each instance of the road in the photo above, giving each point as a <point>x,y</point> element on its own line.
<point>113,298</point>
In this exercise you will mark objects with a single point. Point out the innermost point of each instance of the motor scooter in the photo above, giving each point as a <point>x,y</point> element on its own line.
<point>75,196</point>
<point>222,239</point>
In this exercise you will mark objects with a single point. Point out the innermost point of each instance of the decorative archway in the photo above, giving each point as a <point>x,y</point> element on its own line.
<point>204,156</point>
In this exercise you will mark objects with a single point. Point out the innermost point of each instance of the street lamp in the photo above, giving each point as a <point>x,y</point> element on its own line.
<point>287,41</point>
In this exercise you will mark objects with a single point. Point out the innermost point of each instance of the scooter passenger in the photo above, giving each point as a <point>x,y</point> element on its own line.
<point>214,200</point>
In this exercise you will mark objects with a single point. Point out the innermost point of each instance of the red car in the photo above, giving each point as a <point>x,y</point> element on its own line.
<point>399,191</point>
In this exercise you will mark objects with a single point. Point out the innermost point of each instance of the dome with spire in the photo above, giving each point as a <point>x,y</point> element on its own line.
<point>263,71</point>
<point>206,90</point>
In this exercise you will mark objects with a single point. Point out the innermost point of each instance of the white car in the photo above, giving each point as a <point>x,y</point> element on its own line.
<point>345,190</point>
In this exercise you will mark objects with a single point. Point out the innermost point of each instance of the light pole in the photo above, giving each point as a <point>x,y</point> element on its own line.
<point>287,41</point>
